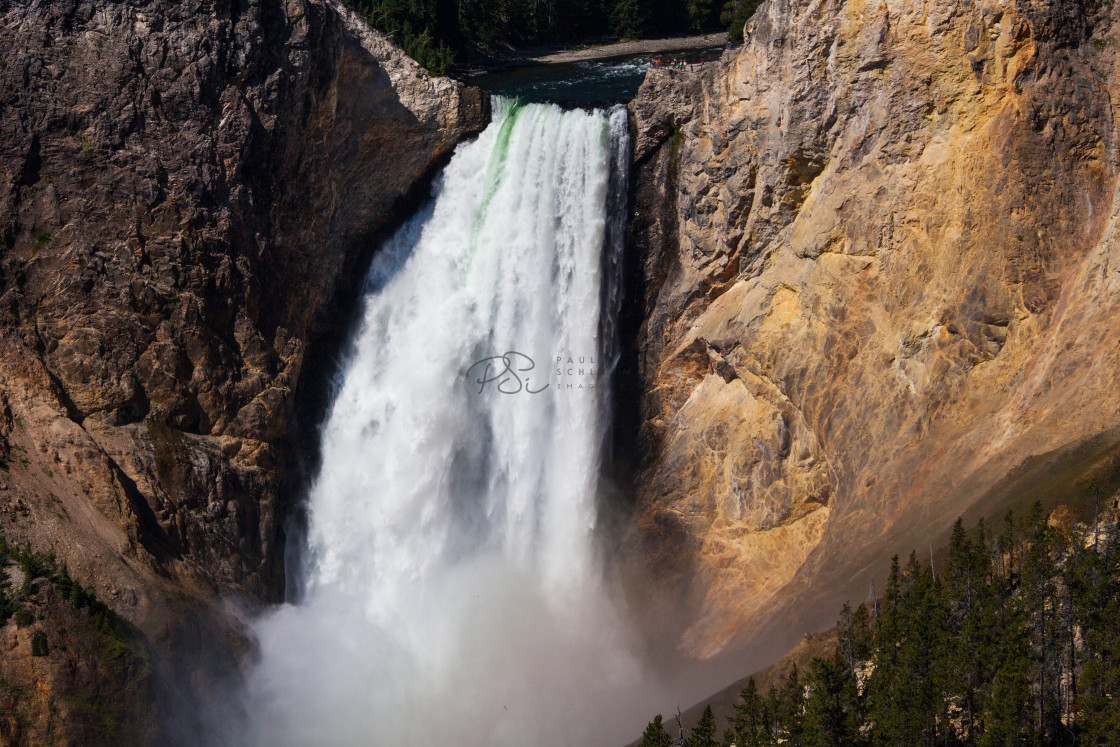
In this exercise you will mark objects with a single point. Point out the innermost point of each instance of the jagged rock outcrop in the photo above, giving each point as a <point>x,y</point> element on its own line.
<point>880,266</point>
<point>187,191</point>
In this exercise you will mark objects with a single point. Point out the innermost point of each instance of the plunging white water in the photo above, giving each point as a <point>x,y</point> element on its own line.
<point>452,594</point>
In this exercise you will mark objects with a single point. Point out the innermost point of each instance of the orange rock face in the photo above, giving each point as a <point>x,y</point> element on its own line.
<point>879,256</point>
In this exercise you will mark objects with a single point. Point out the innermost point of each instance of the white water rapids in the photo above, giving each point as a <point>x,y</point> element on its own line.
<point>452,593</point>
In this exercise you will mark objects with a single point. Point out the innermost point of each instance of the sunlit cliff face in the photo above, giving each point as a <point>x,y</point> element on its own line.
<point>877,243</point>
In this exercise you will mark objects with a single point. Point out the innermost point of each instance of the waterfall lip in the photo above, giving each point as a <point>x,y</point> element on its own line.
<point>586,85</point>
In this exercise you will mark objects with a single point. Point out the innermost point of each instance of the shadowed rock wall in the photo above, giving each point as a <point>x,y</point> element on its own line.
<point>189,192</point>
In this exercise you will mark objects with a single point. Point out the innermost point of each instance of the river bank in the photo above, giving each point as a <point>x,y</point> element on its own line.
<point>593,79</point>
<point>623,49</point>
<point>606,50</point>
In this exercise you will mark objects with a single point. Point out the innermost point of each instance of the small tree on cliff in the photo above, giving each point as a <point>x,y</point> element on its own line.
<point>831,710</point>
<point>704,733</point>
<point>655,734</point>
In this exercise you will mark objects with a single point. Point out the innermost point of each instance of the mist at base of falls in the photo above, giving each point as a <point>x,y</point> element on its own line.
<point>452,592</point>
<point>489,660</point>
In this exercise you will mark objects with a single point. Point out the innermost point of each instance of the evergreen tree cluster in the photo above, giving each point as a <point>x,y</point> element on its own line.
<point>1016,641</point>
<point>36,565</point>
<point>437,33</point>
<point>33,565</point>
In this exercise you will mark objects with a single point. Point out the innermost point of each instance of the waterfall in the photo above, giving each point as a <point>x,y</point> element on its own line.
<point>452,594</point>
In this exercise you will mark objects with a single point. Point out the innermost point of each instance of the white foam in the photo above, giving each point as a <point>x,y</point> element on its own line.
<point>452,590</point>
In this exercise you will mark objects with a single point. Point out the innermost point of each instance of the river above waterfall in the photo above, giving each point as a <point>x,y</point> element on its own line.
<point>586,83</point>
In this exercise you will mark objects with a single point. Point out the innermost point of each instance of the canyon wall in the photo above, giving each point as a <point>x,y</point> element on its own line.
<point>878,261</point>
<point>188,194</point>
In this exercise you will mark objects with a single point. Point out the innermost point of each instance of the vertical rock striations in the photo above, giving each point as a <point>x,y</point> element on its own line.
<point>880,265</point>
<point>187,189</point>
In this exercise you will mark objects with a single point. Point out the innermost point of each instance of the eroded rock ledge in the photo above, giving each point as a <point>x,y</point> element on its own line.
<point>879,262</point>
<point>186,190</point>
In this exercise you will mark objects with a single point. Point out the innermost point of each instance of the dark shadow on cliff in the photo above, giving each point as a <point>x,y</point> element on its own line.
<point>331,339</point>
<point>338,217</point>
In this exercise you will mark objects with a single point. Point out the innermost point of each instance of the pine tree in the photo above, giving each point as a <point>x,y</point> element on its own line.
<point>1007,719</point>
<point>702,14</point>
<point>704,733</point>
<point>789,709</point>
<point>1016,642</point>
<point>906,688</point>
<point>628,19</point>
<point>1039,596</point>
<point>655,734</point>
<point>735,15</point>
<point>749,721</point>
<point>831,716</point>
<point>854,640</point>
<point>1094,580</point>
<point>963,582</point>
